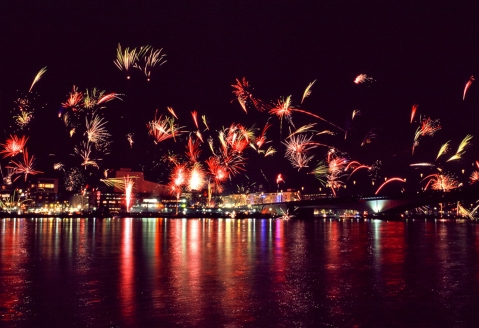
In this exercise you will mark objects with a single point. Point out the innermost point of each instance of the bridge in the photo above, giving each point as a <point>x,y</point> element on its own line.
<point>396,203</point>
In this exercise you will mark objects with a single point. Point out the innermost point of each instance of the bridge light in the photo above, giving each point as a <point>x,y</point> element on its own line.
<point>385,179</point>
<point>421,175</point>
<point>462,171</point>
<point>373,183</point>
<point>354,182</point>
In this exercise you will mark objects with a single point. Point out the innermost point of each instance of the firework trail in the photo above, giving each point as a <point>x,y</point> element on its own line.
<point>428,128</point>
<point>362,78</point>
<point>461,149</point>
<point>38,77</point>
<point>25,167</point>
<point>13,146</point>
<point>468,85</point>
<point>307,92</point>
<point>279,179</point>
<point>356,112</point>
<point>59,166</point>
<point>388,181</point>
<point>413,111</point>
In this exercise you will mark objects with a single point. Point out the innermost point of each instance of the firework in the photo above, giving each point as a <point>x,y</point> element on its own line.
<point>307,92</point>
<point>461,149</point>
<point>193,151</point>
<point>129,183</point>
<point>362,78</point>
<point>244,96</point>
<point>388,181</point>
<point>356,112</point>
<point>413,111</point>
<point>330,172</point>
<point>444,148</point>
<point>441,181</point>
<point>95,130</point>
<point>194,114</point>
<point>170,109</point>
<point>125,59</point>
<point>468,85</point>
<point>38,77</point>
<point>163,129</point>
<point>428,128</point>
<point>84,151</point>
<point>59,166</point>
<point>297,148</point>
<point>261,139</point>
<point>129,137</point>
<point>25,167</point>
<point>474,177</point>
<point>279,179</point>
<point>13,146</point>
<point>74,99</point>
<point>196,177</point>
<point>149,59</point>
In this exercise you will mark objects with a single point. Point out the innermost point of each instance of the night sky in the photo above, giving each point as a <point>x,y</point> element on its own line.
<point>417,54</point>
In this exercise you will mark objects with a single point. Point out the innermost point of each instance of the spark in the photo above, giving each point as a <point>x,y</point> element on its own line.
<point>38,77</point>
<point>413,111</point>
<point>193,151</point>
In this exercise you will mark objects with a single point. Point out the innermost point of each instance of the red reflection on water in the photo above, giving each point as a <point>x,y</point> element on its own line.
<point>127,271</point>
<point>13,256</point>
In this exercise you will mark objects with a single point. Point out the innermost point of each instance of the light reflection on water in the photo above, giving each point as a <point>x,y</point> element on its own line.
<point>240,272</point>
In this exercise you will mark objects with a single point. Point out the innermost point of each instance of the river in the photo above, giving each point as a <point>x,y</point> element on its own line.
<point>238,273</point>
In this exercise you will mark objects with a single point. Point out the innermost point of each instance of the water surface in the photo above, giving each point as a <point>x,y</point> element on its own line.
<point>238,273</point>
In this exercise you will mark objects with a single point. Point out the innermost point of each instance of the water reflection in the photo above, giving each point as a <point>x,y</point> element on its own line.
<point>193,272</point>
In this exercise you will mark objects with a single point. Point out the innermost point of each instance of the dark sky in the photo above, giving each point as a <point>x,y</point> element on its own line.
<point>417,54</point>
